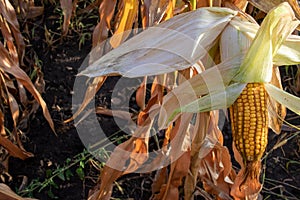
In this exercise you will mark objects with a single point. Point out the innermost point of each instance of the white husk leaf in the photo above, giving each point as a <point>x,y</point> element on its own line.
<point>172,45</point>
<point>233,42</point>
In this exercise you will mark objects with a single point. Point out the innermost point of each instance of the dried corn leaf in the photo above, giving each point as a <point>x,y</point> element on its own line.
<point>192,30</point>
<point>154,11</point>
<point>276,111</point>
<point>179,156</point>
<point>29,10</point>
<point>117,164</point>
<point>216,172</point>
<point>68,8</point>
<point>8,13</point>
<point>200,129</point>
<point>141,94</point>
<point>7,194</point>
<point>179,169</point>
<point>9,41</point>
<point>8,66</point>
<point>2,127</point>
<point>13,149</point>
<point>89,95</point>
<point>266,6</point>
<point>106,11</point>
<point>128,15</point>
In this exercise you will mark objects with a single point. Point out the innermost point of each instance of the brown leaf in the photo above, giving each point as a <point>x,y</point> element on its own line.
<point>266,6</point>
<point>13,104</point>
<point>215,165</point>
<point>116,113</point>
<point>106,11</point>
<point>9,14</point>
<point>200,129</point>
<point>141,94</point>
<point>133,150</point>
<point>7,194</point>
<point>160,179</point>
<point>237,4</point>
<point>13,149</point>
<point>246,184</point>
<point>276,111</point>
<point>68,8</point>
<point>29,10</point>
<point>2,128</point>
<point>6,32</point>
<point>12,68</point>
<point>128,14</point>
<point>179,169</point>
<point>155,10</point>
<point>89,95</point>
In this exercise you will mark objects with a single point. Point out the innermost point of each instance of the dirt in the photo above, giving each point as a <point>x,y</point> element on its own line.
<point>61,61</point>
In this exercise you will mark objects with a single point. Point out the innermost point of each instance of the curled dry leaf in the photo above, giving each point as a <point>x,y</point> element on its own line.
<point>246,185</point>
<point>216,172</point>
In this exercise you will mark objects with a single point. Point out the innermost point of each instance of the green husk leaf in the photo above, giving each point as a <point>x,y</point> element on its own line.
<point>213,101</point>
<point>212,80</point>
<point>258,62</point>
<point>290,101</point>
<point>287,54</point>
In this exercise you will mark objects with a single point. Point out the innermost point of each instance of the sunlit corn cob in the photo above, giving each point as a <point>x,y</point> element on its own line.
<point>249,122</point>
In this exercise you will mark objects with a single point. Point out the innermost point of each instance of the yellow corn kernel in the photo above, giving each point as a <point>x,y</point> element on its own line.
<point>249,122</point>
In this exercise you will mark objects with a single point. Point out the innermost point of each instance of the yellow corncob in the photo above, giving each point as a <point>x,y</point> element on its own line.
<point>249,122</point>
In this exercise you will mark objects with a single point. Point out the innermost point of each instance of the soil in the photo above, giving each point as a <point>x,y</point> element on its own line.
<point>61,61</point>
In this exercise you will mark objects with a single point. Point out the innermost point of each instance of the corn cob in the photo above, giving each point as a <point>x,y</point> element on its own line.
<point>249,122</point>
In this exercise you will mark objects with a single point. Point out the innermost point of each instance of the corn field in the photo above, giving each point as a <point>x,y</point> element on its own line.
<point>199,67</point>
